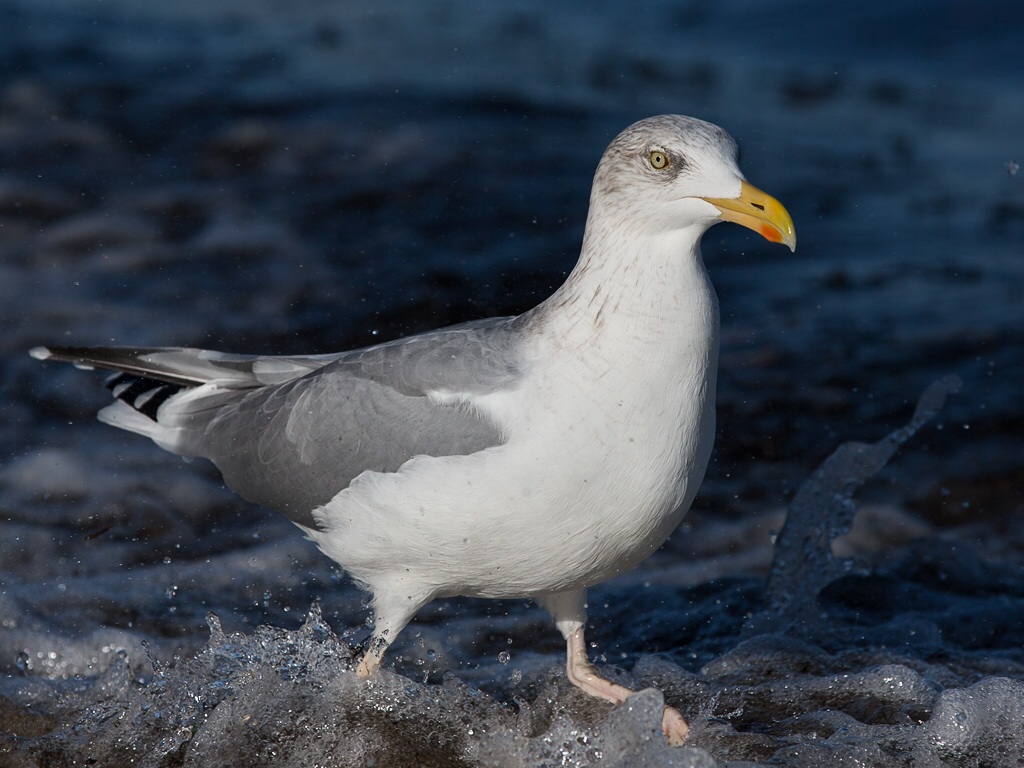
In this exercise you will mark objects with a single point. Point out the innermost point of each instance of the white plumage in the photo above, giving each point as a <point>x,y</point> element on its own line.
<point>532,456</point>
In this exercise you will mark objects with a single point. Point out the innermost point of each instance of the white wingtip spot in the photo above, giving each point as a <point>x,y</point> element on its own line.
<point>40,353</point>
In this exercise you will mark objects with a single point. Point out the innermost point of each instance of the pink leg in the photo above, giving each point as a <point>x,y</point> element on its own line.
<point>371,659</point>
<point>569,613</point>
<point>390,618</point>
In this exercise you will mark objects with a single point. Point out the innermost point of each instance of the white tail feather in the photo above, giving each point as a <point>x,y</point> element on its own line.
<point>121,415</point>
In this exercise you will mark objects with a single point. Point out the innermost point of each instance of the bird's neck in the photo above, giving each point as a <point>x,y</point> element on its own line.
<point>638,293</point>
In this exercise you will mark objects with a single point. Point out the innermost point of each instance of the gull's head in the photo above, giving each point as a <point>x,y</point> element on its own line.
<point>671,173</point>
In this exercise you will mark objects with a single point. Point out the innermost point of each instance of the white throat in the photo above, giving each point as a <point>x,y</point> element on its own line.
<point>642,298</point>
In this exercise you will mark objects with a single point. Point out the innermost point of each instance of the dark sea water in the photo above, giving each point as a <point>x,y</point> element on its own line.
<point>298,177</point>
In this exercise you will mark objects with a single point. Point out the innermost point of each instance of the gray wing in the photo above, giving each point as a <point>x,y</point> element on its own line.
<point>293,443</point>
<point>294,446</point>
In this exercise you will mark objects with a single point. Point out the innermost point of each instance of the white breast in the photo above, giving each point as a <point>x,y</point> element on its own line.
<point>608,436</point>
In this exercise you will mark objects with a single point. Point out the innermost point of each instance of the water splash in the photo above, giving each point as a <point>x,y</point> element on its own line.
<point>823,510</point>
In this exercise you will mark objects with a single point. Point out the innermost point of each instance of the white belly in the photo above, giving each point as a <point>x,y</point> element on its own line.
<point>591,480</point>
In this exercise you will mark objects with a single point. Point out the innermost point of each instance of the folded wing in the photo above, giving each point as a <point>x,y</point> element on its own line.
<point>291,432</point>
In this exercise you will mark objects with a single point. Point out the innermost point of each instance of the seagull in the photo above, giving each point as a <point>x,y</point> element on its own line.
<point>514,457</point>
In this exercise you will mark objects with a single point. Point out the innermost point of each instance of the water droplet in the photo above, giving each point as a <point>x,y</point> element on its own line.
<point>504,657</point>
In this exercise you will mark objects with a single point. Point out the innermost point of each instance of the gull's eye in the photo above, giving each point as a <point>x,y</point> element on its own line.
<point>658,160</point>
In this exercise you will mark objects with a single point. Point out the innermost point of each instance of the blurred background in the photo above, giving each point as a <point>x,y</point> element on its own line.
<point>307,176</point>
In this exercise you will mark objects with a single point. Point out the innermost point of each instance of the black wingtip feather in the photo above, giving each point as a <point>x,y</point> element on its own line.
<point>144,395</point>
<point>149,406</point>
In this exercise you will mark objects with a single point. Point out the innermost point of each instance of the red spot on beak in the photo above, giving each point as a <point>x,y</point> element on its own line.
<point>771,234</point>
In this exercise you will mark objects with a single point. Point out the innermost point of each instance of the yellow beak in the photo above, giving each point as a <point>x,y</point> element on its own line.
<point>760,212</point>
